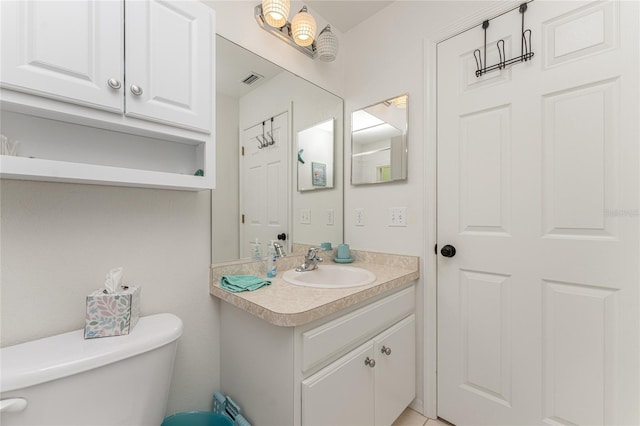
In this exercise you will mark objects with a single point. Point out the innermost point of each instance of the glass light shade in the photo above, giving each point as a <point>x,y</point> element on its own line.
<point>276,12</point>
<point>303,28</point>
<point>327,45</point>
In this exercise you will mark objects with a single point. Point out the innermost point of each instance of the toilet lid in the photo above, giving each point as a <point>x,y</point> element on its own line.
<point>51,358</point>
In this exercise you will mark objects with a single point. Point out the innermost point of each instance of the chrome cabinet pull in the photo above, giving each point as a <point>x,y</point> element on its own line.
<point>370,362</point>
<point>114,83</point>
<point>136,90</point>
<point>385,350</point>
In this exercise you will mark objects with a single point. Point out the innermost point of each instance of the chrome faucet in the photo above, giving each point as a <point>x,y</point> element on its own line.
<point>311,260</point>
<point>279,249</point>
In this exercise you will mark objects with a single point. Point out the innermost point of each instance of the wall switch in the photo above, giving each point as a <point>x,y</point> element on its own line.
<point>359,217</point>
<point>329,216</point>
<point>397,216</point>
<point>305,216</point>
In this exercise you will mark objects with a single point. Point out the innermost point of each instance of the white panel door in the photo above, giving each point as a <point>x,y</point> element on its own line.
<point>66,50</point>
<point>538,187</point>
<point>169,54</point>
<point>264,184</point>
<point>342,393</point>
<point>395,371</point>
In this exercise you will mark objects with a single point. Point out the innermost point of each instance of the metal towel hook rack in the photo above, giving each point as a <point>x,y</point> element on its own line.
<point>265,142</point>
<point>525,49</point>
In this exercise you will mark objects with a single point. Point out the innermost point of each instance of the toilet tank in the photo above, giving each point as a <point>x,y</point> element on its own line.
<point>111,381</point>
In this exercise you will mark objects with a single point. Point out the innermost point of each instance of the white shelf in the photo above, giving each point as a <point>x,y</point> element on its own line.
<point>63,171</point>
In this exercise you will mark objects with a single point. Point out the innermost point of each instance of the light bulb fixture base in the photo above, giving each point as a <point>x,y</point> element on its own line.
<point>325,47</point>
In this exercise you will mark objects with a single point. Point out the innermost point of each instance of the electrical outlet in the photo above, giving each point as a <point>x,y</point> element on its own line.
<point>329,216</point>
<point>359,217</point>
<point>305,216</point>
<point>397,216</point>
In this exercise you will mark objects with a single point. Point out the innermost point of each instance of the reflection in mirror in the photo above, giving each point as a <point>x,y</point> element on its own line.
<point>379,142</point>
<point>251,91</point>
<point>315,156</point>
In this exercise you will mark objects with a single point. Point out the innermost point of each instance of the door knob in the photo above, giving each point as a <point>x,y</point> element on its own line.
<point>282,237</point>
<point>448,251</point>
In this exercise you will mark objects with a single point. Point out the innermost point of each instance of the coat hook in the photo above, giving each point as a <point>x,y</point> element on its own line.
<point>525,49</point>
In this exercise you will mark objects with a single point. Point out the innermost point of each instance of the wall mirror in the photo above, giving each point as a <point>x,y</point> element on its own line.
<point>314,147</point>
<point>379,142</point>
<point>261,110</point>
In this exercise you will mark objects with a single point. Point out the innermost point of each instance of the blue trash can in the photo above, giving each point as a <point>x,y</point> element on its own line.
<point>197,418</point>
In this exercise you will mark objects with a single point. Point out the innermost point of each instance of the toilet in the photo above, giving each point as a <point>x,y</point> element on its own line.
<point>112,381</point>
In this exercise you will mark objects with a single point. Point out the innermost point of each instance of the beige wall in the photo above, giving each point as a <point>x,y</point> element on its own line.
<point>59,240</point>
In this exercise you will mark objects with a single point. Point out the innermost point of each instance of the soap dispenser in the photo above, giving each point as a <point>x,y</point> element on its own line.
<point>256,253</point>
<point>272,267</point>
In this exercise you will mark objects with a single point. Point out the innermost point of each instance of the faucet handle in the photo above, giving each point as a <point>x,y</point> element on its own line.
<point>279,249</point>
<point>312,254</point>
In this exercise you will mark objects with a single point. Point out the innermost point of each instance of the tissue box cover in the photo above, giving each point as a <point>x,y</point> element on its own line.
<point>112,314</point>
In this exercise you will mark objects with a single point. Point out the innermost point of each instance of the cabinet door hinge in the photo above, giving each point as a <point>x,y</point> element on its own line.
<point>243,218</point>
<point>243,151</point>
<point>435,249</point>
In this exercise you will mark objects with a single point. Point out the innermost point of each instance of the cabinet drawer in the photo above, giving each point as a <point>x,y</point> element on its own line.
<point>343,333</point>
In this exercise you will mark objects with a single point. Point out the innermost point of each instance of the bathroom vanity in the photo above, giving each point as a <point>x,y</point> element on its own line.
<point>293,355</point>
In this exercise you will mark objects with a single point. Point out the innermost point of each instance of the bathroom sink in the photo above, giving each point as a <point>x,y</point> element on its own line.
<point>330,276</point>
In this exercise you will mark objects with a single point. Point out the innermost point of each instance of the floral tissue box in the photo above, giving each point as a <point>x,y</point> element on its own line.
<point>112,314</point>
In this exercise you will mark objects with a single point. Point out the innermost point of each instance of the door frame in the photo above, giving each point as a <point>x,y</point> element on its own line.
<point>429,302</point>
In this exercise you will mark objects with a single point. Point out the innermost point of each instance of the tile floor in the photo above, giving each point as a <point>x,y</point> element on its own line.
<point>413,418</point>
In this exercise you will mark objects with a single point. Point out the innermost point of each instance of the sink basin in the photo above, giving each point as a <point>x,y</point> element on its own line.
<point>330,276</point>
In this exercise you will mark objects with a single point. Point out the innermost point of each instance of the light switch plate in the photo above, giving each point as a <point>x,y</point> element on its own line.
<point>305,216</point>
<point>397,216</point>
<point>359,217</point>
<point>329,216</point>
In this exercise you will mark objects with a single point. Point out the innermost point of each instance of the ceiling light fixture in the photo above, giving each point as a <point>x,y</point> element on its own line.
<point>300,33</point>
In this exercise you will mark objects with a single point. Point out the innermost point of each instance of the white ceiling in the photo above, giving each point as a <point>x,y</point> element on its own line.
<point>346,14</point>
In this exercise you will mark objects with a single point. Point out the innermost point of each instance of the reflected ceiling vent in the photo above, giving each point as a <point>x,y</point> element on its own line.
<point>252,78</point>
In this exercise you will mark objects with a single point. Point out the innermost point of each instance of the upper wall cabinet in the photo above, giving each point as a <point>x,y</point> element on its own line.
<point>65,50</point>
<point>79,56</point>
<point>168,62</point>
<point>145,83</point>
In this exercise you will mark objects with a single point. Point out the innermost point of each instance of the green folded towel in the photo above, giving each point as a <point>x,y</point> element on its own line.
<point>236,283</point>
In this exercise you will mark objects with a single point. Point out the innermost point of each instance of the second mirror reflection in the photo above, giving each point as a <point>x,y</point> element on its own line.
<point>379,142</point>
<point>315,156</point>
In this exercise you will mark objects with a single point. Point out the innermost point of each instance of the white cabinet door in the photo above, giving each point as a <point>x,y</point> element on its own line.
<point>342,393</point>
<point>169,53</point>
<point>67,50</point>
<point>395,378</point>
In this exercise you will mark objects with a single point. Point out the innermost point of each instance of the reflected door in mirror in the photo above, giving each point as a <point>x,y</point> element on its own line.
<point>264,183</point>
